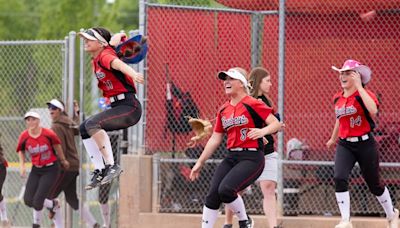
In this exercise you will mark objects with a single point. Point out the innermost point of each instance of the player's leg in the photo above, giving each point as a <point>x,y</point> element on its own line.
<point>212,201</point>
<point>267,181</point>
<point>368,159</point>
<point>344,163</point>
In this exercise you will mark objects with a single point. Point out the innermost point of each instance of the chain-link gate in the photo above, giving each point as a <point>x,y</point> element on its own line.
<point>190,44</point>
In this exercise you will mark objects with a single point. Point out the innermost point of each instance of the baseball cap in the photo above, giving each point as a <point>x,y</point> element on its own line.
<point>32,114</point>
<point>56,103</point>
<point>351,64</point>
<point>233,73</point>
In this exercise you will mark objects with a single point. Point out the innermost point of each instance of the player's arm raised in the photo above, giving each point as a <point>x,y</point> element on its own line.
<point>212,144</point>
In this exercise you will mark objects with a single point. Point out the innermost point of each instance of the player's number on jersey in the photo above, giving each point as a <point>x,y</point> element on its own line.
<point>243,133</point>
<point>109,84</point>
<point>355,121</point>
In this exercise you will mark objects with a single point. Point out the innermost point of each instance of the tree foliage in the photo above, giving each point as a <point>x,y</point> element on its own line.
<point>54,19</point>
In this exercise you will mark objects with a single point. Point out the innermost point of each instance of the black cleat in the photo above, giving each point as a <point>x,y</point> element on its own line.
<point>95,180</point>
<point>110,173</point>
<point>249,223</point>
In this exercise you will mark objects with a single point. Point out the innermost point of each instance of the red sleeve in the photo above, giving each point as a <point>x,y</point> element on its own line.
<point>53,136</point>
<point>262,109</point>
<point>218,124</point>
<point>107,56</point>
<point>21,139</point>
<point>336,96</point>
<point>373,96</point>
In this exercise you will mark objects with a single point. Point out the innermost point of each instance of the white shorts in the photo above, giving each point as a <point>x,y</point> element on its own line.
<point>270,171</point>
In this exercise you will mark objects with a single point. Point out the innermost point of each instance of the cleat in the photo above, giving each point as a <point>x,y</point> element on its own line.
<point>394,222</point>
<point>249,223</point>
<point>111,172</point>
<point>344,224</point>
<point>95,180</point>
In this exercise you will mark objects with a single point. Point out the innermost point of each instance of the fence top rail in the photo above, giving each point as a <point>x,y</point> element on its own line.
<point>230,10</point>
<point>287,162</point>
<point>30,42</point>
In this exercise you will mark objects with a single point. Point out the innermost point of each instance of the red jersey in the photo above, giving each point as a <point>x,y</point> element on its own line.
<point>112,82</point>
<point>40,148</point>
<point>352,119</point>
<point>236,121</point>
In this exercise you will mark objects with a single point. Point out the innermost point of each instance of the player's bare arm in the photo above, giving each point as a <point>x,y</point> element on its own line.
<point>212,144</point>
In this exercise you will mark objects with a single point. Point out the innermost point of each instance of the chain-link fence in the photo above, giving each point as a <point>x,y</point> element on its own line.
<point>32,73</point>
<point>190,44</point>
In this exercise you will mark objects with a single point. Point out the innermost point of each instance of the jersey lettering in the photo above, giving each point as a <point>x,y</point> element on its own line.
<point>234,121</point>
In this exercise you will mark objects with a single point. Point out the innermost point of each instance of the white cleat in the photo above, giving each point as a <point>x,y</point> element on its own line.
<point>344,224</point>
<point>394,222</point>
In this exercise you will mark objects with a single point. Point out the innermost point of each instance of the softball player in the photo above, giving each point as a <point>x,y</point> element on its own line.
<point>3,174</point>
<point>242,118</point>
<point>354,108</point>
<point>66,129</point>
<point>116,80</point>
<point>260,81</point>
<point>42,144</point>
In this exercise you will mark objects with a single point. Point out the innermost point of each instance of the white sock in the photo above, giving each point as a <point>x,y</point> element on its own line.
<point>109,158</point>
<point>237,206</point>
<point>209,217</point>
<point>386,203</point>
<point>88,216</point>
<point>58,218</point>
<point>48,203</point>
<point>343,201</point>
<point>105,214</point>
<point>37,216</point>
<point>3,210</point>
<point>94,153</point>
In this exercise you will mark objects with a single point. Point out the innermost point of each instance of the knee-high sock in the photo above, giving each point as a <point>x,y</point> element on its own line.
<point>94,153</point>
<point>105,214</point>
<point>237,206</point>
<point>37,217</point>
<point>48,203</point>
<point>88,216</point>
<point>209,217</point>
<point>3,210</point>
<point>386,203</point>
<point>104,145</point>
<point>343,201</point>
<point>58,218</point>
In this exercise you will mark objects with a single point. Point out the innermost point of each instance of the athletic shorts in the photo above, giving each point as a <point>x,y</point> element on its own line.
<point>270,171</point>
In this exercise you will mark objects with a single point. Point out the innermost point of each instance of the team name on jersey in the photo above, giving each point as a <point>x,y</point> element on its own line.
<point>100,75</point>
<point>37,149</point>
<point>345,111</point>
<point>234,121</point>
